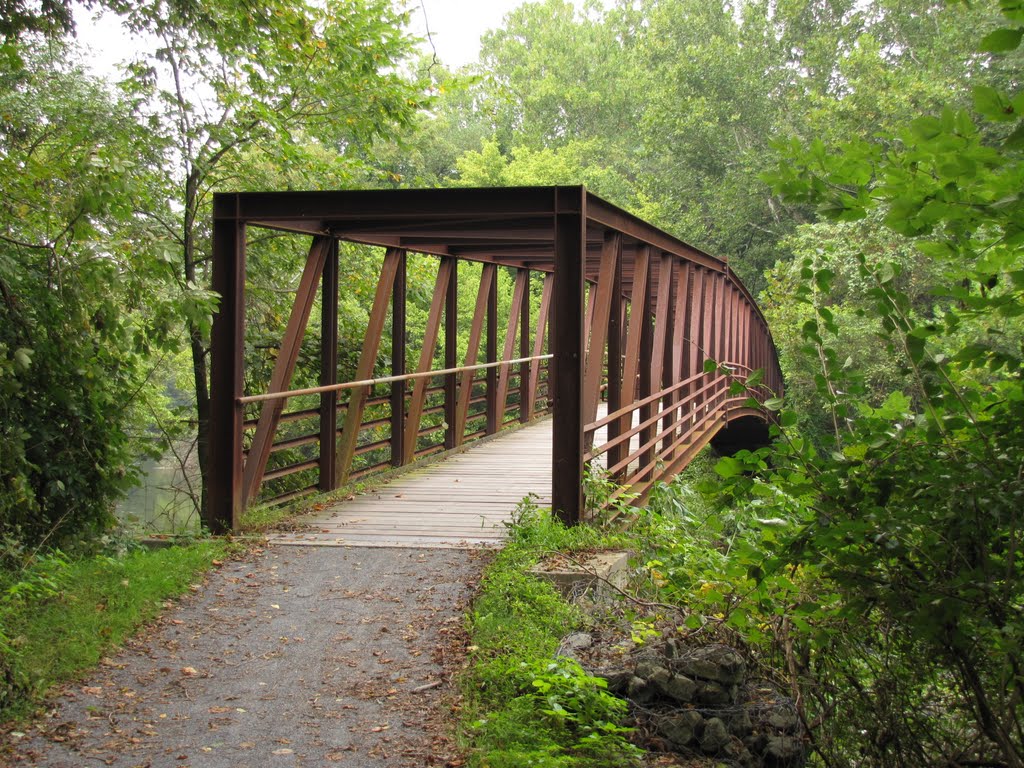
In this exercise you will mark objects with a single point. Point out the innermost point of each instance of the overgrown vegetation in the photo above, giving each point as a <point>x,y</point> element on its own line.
<point>523,706</point>
<point>59,613</point>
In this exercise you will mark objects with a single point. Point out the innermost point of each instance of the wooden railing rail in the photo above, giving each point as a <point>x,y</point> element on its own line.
<point>384,380</point>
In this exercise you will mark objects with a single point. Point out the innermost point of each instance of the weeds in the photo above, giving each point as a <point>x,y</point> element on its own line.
<point>524,706</point>
<point>59,614</point>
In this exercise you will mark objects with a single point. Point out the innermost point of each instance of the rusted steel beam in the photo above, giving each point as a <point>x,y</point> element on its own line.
<point>367,360</point>
<point>725,347</point>
<point>567,344</point>
<point>646,384</point>
<point>615,218</point>
<point>328,442</point>
<point>669,262</point>
<point>284,367</point>
<point>538,345</point>
<point>451,340</point>
<point>430,334</point>
<point>227,343</point>
<point>615,345</point>
<point>695,350</point>
<point>600,316</point>
<point>524,351</point>
<point>494,419</point>
<point>719,342</point>
<point>634,333</point>
<point>515,308</point>
<point>398,354</point>
<point>662,319</point>
<point>707,314</point>
<point>681,324</point>
<point>472,348</point>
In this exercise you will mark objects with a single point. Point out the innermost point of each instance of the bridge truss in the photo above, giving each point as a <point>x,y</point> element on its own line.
<point>626,313</point>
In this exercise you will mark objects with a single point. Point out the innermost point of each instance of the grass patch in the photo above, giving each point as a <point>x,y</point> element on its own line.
<point>524,707</point>
<point>60,615</point>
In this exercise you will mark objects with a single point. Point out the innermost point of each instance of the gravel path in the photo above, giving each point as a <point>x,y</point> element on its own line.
<point>291,657</point>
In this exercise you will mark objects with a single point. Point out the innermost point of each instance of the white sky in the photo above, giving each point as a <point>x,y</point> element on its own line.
<point>455,26</point>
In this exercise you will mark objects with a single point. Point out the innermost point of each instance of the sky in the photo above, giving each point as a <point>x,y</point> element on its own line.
<point>455,28</point>
<point>457,25</point>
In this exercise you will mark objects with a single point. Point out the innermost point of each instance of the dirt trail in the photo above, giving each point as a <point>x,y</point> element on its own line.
<point>292,657</point>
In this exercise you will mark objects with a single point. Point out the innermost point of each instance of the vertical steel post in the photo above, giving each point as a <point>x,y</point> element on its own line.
<point>328,479</point>
<point>398,355</point>
<point>567,345</point>
<point>227,343</point>
<point>646,353</point>
<point>538,345</point>
<point>615,326</point>
<point>451,341</point>
<point>525,408</point>
<point>493,422</point>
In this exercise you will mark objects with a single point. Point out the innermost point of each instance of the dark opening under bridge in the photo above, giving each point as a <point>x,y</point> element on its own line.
<point>610,339</point>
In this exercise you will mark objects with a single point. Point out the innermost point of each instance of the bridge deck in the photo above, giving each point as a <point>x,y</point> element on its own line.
<point>461,501</point>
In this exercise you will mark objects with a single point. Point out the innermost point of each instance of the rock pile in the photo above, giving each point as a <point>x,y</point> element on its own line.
<point>700,700</point>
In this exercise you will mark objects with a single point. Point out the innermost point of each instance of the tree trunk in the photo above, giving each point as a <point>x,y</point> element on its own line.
<point>199,352</point>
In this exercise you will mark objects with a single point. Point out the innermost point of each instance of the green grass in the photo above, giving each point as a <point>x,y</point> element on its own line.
<point>522,706</point>
<point>59,616</point>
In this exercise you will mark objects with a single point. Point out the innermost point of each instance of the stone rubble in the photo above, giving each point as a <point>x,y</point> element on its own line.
<point>701,700</point>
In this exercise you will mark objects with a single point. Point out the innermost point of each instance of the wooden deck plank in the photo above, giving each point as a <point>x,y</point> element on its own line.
<point>460,502</point>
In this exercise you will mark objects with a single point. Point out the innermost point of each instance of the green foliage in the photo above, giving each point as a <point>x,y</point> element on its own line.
<point>908,516</point>
<point>59,614</point>
<point>84,297</point>
<point>523,705</point>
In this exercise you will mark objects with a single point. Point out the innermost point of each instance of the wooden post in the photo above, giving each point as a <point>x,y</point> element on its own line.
<point>669,272</point>
<point>398,352</point>
<point>567,346</point>
<point>224,492</point>
<point>679,331</point>
<point>707,313</point>
<point>328,479</point>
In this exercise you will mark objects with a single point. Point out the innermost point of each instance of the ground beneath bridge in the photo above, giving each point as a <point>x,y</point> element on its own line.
<point>295,656</point>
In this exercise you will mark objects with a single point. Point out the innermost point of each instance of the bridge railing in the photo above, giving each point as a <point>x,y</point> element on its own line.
<point>658,435</point>
<point>379,435</point>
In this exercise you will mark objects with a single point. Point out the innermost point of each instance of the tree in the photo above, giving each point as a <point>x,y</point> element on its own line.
<point>228,76</point>
<point>85,292</point>
<point>906,529</point>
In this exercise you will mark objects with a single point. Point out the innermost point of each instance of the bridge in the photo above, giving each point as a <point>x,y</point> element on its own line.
<point>605,326</point>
